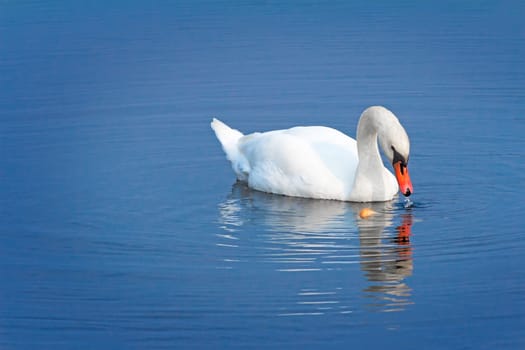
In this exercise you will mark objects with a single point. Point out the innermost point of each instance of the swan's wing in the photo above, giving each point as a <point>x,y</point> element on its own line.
<point>315,162</point>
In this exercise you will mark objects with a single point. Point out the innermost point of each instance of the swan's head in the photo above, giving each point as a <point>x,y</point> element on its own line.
<point>400,164</point>
<point>396,146</point>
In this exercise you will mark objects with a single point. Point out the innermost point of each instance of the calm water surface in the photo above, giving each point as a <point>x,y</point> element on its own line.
<point>122,225</point>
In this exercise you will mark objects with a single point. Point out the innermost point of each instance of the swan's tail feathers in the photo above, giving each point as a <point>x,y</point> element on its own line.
<point>229,139</point>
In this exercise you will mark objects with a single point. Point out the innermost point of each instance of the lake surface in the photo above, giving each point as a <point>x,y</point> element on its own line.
<point>122,226</point>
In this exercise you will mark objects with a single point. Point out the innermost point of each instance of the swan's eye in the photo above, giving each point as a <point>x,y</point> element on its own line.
<point>398,157</point>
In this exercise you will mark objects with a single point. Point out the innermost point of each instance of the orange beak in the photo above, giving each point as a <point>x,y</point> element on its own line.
<point>405,185</point>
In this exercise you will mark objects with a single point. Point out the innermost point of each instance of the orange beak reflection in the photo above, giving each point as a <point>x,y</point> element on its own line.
<point>403,179</point>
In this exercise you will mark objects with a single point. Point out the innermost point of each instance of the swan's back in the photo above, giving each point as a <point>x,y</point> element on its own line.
<point>313,162</point>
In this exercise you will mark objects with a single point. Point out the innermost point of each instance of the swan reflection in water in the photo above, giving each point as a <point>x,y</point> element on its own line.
<point>299,234</point>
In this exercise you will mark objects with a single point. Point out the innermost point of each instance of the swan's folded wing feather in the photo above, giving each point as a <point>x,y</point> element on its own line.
<point>314,162</point>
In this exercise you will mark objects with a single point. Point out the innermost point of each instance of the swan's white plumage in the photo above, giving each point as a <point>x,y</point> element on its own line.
<point>229,139</point>
<point>312,162</point>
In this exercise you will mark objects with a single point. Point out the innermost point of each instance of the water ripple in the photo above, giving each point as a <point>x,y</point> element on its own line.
<point>295,235</point>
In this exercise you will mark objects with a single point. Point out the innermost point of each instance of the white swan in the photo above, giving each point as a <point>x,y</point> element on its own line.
<point>321,162</point>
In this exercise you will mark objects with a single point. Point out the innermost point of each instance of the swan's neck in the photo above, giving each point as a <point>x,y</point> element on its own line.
<point>367,145</point>
<point>370,182</point>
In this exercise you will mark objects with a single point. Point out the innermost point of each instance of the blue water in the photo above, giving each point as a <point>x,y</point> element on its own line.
<point>122,225</point>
